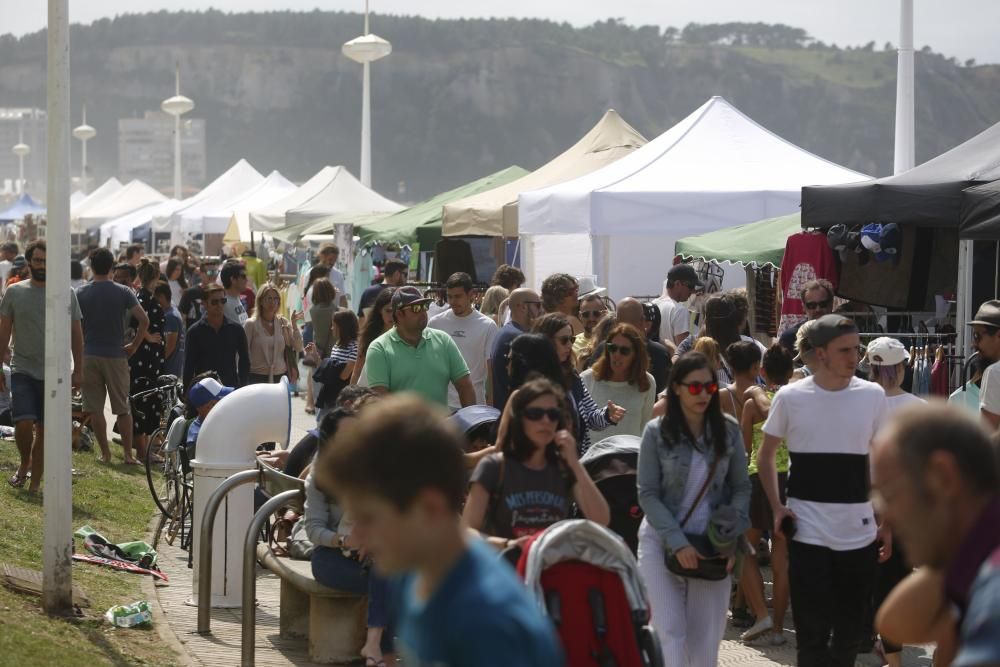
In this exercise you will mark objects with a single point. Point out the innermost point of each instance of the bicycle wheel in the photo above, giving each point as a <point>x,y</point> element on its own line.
<point>162,479</point>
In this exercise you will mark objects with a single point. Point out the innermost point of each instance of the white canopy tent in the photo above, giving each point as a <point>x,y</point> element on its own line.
<point>77,197</point>
<point>107,189</point>
<point>717,168</point>
<point>495,213</point>
<point>271,217</point>
<point>119,230</point>
<point>235,221</point>
<point>221,194</point>
<point>134,196</point>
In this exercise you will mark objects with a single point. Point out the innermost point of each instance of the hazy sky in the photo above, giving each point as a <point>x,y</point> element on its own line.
<point>961,28</point>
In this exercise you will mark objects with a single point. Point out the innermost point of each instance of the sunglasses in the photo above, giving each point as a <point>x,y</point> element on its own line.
<point>814,305</point>
<point>563,340</point>
<point>536,414</point>
<point>589,314</point>
<point>624,350</point>
<point>217,302</point>
<point>695,388</point>
<point>418,307</point>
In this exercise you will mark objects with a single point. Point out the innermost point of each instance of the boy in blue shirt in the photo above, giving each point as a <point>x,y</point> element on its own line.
<point>399,471</point>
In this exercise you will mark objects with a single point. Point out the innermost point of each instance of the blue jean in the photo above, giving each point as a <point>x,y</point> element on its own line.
<point>332,568</point>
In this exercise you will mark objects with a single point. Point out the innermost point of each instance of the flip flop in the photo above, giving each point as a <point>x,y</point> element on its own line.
<point>17,481</point>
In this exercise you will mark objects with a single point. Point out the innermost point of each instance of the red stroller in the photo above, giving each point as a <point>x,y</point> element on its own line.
<point>587,581</point>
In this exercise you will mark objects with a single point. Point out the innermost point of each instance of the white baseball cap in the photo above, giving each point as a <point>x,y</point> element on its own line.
<point>886,351</point>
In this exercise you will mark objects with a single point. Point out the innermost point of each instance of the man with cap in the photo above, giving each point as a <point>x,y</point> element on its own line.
<point>817,300</point>
<point>985,338</point>
<point>525,306</point>
<point>203,396</point>
<point>675,319</point>
<point>828,421</point>
<point>412,357</point>
<point>592,309</point>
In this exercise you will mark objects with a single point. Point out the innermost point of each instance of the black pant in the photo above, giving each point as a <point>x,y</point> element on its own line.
<point>831,593</point>
<point>255,378</point>
<point>890,573</point>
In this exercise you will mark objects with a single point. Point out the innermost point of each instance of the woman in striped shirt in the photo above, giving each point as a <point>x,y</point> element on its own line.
<point>335,372</point>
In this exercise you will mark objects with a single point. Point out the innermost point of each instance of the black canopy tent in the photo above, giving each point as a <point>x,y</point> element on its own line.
<point>929,195</point>
<point>980,220</point>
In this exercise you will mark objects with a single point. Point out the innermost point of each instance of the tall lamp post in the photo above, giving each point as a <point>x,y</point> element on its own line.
<point>21,150</point>
<point>365,50</point>
<point>84,133</point>
<point>177,106</point>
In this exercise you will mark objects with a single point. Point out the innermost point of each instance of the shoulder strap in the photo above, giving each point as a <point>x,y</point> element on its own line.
<point>704,488</point>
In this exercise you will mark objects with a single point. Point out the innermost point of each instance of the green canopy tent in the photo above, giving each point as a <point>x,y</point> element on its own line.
<point>756,244</point>
<point>421,223</point>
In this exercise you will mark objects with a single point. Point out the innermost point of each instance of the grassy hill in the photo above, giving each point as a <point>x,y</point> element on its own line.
<point>462,98</point>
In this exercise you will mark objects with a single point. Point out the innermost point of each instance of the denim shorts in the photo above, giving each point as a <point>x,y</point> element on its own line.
<point>27,400</point>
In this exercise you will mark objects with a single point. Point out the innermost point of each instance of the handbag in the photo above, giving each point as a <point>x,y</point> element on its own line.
<point>713,566</point>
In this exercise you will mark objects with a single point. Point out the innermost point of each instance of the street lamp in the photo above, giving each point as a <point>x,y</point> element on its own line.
<point>365,50</point>
<point>20,149</point>
<point>84,133</point>
<point>177,106</point>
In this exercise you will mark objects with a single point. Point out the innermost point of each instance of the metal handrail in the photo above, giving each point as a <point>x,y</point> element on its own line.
<point>205,546</point>
<point>249,612</point>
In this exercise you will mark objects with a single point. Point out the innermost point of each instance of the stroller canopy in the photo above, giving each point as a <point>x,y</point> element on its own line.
<point>583,540</point>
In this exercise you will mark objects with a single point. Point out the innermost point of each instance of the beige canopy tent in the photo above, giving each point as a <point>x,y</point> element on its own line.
<point>494,213</point>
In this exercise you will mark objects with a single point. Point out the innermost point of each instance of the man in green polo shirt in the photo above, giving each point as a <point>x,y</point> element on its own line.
<point>411,357</point>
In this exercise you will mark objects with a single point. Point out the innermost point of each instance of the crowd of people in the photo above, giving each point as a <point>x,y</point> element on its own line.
<point>451,426</point>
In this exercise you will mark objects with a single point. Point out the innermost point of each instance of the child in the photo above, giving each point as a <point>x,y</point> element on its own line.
<point>399,471</point>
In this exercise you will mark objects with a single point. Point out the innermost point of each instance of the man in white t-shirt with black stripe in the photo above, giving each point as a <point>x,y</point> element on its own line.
<point>828,421</point>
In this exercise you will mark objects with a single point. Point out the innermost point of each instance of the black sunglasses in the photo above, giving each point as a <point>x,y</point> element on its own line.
<point>695,388</point>
<point>536,414</point>
<point>813,305</point>
<point>588,314</point>
<point>624,350</point>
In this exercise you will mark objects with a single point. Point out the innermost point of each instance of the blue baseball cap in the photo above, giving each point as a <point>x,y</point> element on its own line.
<point>206,391</point>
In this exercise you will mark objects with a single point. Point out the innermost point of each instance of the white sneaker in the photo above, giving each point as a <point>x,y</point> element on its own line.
<point>761,627</point>
<point>779,639</point>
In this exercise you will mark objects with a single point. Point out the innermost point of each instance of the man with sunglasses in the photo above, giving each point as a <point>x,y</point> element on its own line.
<point>828,421</point>
<point>985,338</point>
<point>817,300</point>
<point>525,305</point>
<point>412,357</point>
<point>592,309</point>
<point>217,343</point>
<point>675,318</point>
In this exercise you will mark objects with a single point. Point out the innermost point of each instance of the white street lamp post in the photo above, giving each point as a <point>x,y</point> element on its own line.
<point>905,131</point>
<point>177,106</point>
<point>365,50</point>
<point>84,133</point>
<point>21,150</point>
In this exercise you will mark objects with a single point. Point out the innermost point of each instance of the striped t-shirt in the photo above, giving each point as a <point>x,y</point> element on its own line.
<point>829,436</point>
<point>344,355</point>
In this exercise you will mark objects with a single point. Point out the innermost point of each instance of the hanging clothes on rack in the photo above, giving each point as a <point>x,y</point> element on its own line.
<point>807,257</point>
<point>939,374</point>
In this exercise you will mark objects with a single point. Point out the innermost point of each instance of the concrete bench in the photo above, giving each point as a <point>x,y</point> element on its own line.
<point>333,621</point>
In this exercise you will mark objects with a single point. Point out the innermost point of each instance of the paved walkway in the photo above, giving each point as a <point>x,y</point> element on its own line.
<point>222,647</point>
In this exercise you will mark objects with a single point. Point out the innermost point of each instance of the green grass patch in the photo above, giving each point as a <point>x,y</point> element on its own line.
<point>116,502</point>
<point>855,69</point>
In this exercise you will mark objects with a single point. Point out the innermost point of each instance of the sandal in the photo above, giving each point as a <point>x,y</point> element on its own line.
<point>17,481</point>
<point>372,662</point>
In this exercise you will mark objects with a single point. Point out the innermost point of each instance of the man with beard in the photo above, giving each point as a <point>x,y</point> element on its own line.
<point>22,313</point>
<point>412,357</point>
<point>986,340</point>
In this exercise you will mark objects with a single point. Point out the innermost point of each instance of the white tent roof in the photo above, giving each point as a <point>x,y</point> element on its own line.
<point>133,196</point>
<point>715,168</point>
<point>77,197</point>
<point>107,189</point>
<point>271,189</point>
<point>235,184</point>
<point>494,213</point>
<point>271,217</point>
<point>120,229</point>
<point>342,196</point>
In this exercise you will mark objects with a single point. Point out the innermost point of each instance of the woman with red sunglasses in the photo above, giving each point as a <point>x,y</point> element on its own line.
<point>694,488</point>
<point>535,478</point>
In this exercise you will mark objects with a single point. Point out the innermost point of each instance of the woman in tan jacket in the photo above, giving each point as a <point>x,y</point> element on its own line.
<point>269,336</point>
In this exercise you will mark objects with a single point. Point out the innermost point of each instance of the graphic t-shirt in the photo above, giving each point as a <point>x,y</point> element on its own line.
<point>235,310</point>
<point>474,334</point>
<point>807,257</point>
<point>480,615</point>
<point>528,502</point>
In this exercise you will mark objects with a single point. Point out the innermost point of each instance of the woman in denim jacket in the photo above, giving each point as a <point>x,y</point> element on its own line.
<point>675,457</point>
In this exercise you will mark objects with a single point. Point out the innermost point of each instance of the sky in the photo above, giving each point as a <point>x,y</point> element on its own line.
<point>961,28</point>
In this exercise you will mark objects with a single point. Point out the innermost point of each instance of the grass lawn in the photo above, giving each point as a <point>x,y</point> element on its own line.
<point>116,502</point>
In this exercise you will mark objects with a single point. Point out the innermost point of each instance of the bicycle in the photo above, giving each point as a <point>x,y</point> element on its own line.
<point>168,391</point>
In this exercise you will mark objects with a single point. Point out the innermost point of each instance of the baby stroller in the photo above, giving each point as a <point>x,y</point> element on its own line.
<point>588,583</point>
<point>612,464</point>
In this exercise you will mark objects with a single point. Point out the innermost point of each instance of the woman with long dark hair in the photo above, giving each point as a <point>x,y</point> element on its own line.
<point>376,324</point>
<point>725,319</point>
<point>535,478</point>
<point>621,376</point>
<point>176,280</point>
<point>532,355</point>
<point>694,488</point>
<point>587,414</point>
<point>147,363</point>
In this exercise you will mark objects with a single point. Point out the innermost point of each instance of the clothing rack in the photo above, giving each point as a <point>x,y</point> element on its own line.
<point>925,348</point>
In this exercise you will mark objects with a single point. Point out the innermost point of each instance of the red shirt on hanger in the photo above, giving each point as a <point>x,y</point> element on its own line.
<point>807,257</point>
